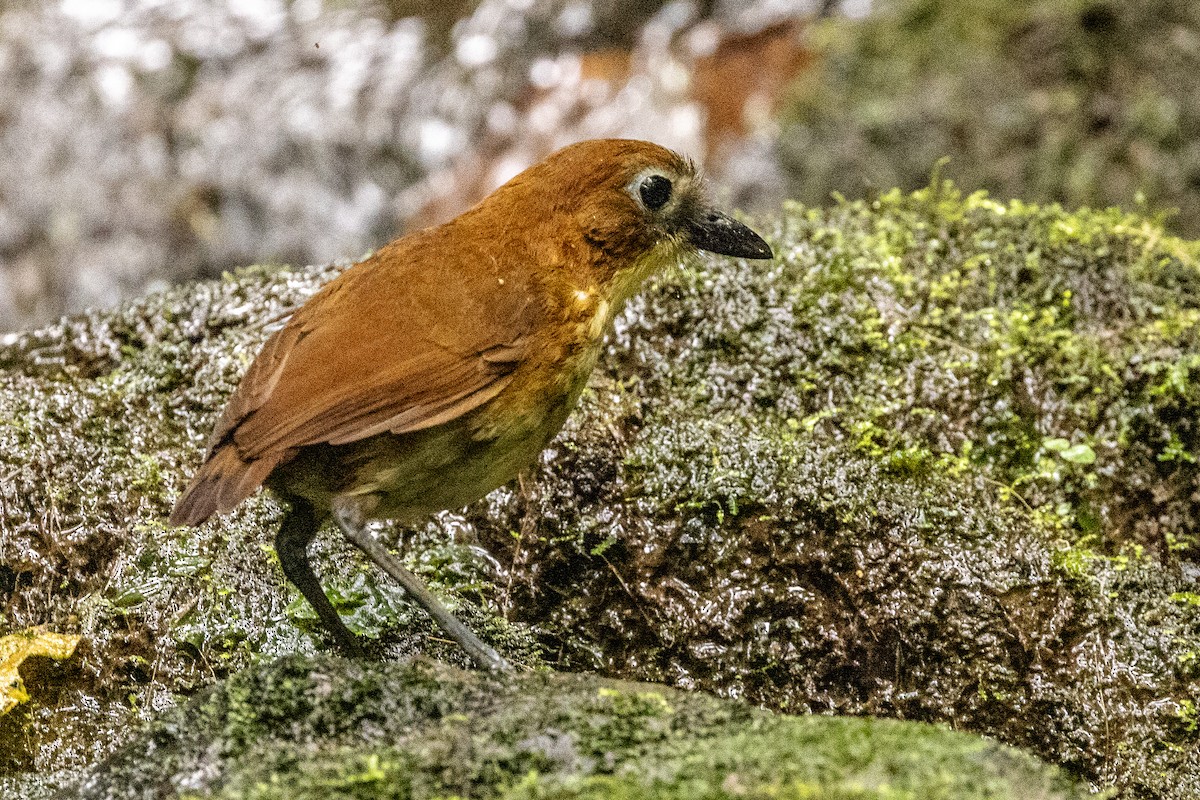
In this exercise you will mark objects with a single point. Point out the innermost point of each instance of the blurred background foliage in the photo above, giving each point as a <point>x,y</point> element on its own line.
<point>1083,102</point>
<point>144,143</point>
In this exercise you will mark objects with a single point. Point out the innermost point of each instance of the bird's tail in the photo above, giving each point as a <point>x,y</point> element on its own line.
<point>223,480</point>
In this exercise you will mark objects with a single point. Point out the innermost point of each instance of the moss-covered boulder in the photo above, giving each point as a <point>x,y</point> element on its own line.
<point>936,462</point>
<point>303,728</point>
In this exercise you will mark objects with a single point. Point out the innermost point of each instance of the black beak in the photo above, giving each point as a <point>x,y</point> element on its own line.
<point>719,233</point>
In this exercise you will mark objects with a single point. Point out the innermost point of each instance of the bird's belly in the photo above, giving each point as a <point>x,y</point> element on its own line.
<point>413,475</point>
<point>417,475</point>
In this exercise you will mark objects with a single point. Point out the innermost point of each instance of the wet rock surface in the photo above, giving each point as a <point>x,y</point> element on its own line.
<point>935,462</point>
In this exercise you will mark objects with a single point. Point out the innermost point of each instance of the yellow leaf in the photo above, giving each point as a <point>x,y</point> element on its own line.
<point>16,648</point>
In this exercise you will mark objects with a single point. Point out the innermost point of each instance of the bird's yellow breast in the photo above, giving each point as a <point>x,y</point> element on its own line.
<point>547,386</point>
<point>591,313</point>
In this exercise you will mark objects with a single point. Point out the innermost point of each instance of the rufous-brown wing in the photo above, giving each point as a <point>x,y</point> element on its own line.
<point>406,340</point>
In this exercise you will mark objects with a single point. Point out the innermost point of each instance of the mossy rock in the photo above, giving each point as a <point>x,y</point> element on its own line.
<point>318,728</point>
<point>937,462</point>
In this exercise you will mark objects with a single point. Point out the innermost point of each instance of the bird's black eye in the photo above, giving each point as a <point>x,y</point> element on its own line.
<point>655,191</point>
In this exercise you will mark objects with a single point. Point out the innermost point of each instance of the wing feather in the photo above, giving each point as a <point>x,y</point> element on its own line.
<point>405,340</point>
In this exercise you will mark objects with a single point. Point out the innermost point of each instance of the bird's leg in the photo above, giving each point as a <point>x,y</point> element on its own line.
<point>299,526</point>
<point>347,513</point>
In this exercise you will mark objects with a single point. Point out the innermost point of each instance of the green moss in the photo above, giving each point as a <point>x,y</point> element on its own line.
<point>426,731</point>
<point>1053,350</point>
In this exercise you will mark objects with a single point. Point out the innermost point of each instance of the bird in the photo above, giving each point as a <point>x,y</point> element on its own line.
<point>436,369</point>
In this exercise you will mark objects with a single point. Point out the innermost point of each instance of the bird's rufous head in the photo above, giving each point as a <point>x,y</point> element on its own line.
<point>632,206</point>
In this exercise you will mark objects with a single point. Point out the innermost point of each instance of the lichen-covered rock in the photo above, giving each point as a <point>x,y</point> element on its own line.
<point>318,728</point>
<point>936,462</point>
